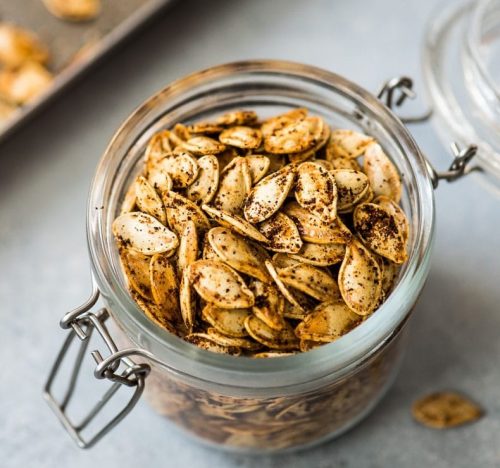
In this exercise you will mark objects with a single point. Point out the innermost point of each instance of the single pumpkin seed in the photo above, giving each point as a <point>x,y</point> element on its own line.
<point>395,210</point>
<point>181,166</point>
<point>224,340</point>
<point>144,233</point>
<point>203,145</point>
<point>360,279</point>
<point>219,284</point>
<point>320,254</point>
<point>234,185</point>
<point>231,322</point>
<point>241,137</point>
<point>316,191</point>
<point>204,188</point>
<point>148,200</point>
<point>281,285</point>
<point>380,231</point>
<point>206,342</point>
<point>268,195</point>
<point>187,300</point>
<point>188,246</point>
<point>258,165</point>
<point>269,304</point>
<point>283,339</point>
<point>136,268</point>
<point>164,285</point>
<point>282,234</point>
<point>351,188</point>
<point>153,312</point>
<point>382,174</point>
<point>180,209</point>
<point>347,144</point>
<point>160,180</point>
<point>240,117</point>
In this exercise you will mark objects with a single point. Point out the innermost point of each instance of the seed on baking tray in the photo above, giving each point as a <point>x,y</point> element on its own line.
<point>360,279</point>
<point>235,183</point>
<point>268,195</point>
<point>254,239</point>
<point>148,200</point>
<point>230,322</point>
<point>202,145</point>
<point>380,231</point>
<point>241,137</point>
<point>219,284</point>
<point>443,410</point>
<point>382,174</point>
<point>144,233</point>
<point>74,10</point>
<point>204,188</point>
<point>239,253</point>
<point>347,144</point>
<point>282,234</point>
<point>316,191</point>
<point>18,46</point>
<point>329,321</point>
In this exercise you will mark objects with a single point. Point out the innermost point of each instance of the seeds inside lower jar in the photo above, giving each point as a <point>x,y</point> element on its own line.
<point>262,239</point>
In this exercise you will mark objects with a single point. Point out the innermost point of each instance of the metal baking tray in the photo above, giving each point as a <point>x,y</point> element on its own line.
<point>73,47</point>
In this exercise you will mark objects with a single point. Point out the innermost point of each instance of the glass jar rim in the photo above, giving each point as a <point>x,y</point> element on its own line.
<point>333,358</point>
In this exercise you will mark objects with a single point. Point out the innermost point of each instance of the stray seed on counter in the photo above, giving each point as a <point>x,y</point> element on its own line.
<point>443,410</point>
<point>262,239</point>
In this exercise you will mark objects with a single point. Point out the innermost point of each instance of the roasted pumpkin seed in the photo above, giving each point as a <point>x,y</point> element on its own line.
<point>234,186</point>
<point>204,188</point>
<point>269,304</point>
<point>136,268</point>
<point>148,200</point>
<point>241,137</point>
<point>231,322</point>
<point>188,246</point>
<point>164,285</point>
<point>351,188</point>
<point>320,254</point>
<point>282,234</point>
<point>203,145</point>
<point>275,339</point>
<point>180,210</point>
<point>347,144</point>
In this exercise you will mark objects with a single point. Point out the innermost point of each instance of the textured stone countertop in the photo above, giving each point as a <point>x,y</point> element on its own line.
<point>45,171</point>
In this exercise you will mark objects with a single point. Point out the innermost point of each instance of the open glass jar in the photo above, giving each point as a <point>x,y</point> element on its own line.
<point>238,403</point>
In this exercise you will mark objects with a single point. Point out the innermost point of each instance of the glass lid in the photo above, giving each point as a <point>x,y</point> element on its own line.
<point>462,75</point>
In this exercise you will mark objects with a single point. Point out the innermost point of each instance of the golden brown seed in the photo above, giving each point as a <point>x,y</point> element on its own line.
<point>136,268</point>
<point>382,174</point>
<point>231,322</point>
<point>220,285</point>
<point>204,128</point>
<point>129,199</point>
<point>351,188</point>
<point>206,342</point>
<point>307,305</point>
<point>188,246</point>
<point>224,340</point>
<point>258,166</point>
<point>234,185</point>
<point>158,147</point>
<point>316,191</point>
<point>347,144</point>
<point>395,210</point>
<point>329,321</point>
<point>320,254</point>
<point>241,137</point>
<point>282,233</point>
<point>240,117</point>
<point>443,410</point>
<point>380,231</point>
<point>203,145</point>
<point>148,200</point>
<point>283,339</point>
<point>24,84</point>
<point>18,46</point>
<point>204,188</point>
<point>360,279</point>
<point>312,229</point>
<point>153,312</point>
<point>281,260</point>
<point>164,286</point>
<point>234,222</point>
<point>187,300</point>
<point>269,304</point>
<point>160,180</point>
<point>310,153</point>
<point>74,10</point>
<point>281,285</point>
<point>181,166</point>
<point>179,210</point>
<point>144,233</point>
<point>344,163</point>
<point>268,195</point>
<point>310,280</point>
<point>239,253</point>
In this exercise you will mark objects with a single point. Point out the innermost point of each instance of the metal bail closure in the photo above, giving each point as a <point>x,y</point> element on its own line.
<point>82,323</point>
<point>462,157</point>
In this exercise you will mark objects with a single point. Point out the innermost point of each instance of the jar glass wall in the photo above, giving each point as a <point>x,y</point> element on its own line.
<point>243,403</point>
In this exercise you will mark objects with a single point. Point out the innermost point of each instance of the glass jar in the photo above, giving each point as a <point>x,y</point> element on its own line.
<point>237,403</point>
<point>461,64</point>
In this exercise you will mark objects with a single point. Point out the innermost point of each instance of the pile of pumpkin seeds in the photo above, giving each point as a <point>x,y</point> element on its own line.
<point>262,238</point>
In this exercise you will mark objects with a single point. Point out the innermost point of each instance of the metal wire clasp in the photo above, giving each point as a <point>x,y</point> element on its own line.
<point>82,323</point>
<point>461,157</point>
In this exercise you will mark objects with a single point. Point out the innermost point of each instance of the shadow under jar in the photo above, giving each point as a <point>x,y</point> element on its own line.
<point>263,405</point>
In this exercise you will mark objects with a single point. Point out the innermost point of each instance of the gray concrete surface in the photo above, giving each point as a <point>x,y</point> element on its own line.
<point>45,170</point>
